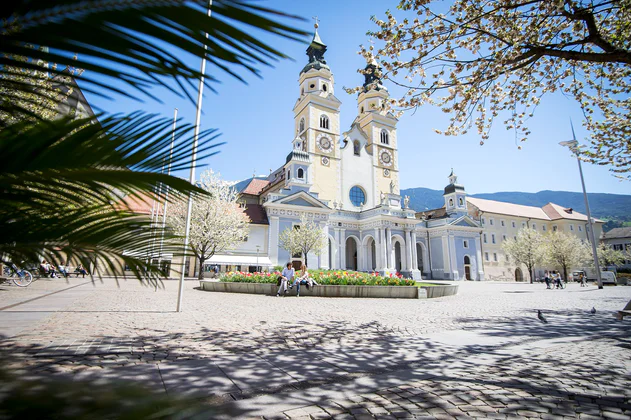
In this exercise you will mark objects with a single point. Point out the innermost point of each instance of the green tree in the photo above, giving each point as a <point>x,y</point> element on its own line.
<point>486,60</point>
<point>62,181</point>
<point>526,249</point>
<point>305,237</point>
<point>608,256</point>
<point>565,251</point>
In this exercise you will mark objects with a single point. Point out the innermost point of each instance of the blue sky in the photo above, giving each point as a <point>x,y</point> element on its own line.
<point>256,120</point>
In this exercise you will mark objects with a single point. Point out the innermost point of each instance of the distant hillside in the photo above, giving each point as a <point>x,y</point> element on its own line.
<point>615,208</point>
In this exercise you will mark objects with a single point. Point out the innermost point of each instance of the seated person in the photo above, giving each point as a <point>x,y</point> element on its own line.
<point>81,270</point>
<point>47,269</point>
<point>63,269</point>
<point>303,279</point>
<point>286,276</point>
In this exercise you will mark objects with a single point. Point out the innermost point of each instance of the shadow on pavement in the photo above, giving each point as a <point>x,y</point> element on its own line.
<point>517,365</point>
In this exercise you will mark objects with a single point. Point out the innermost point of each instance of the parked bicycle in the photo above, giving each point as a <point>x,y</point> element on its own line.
<point>20,277</point>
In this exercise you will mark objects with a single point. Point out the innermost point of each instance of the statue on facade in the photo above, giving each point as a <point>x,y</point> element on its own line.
<point>382,197</point>
<point>392,187</point>
<point>406,202</point>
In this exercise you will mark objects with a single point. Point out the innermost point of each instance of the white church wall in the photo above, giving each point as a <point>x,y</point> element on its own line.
<point>357,171</point>
<point>257,236</point>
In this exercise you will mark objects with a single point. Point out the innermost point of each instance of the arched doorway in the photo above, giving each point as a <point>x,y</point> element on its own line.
<point>419,257</point>
<point>467,267</point>
<point>373,255</point>
<point>351,254</point>
<point>397,256</point>
<point>519,276</point>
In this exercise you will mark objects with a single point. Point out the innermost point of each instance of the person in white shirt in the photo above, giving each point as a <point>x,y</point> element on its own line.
<point>63,269</point>
<point>285,277</point>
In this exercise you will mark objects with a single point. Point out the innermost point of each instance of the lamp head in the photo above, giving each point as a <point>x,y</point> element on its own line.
<point>572,144</point>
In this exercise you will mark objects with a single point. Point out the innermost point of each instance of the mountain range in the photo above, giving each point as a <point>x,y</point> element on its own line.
<point>613,208</point>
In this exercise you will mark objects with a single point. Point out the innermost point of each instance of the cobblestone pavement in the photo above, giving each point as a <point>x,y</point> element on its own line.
<point>481,353</point>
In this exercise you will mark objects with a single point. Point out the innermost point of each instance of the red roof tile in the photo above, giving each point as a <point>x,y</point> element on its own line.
<point>255,186</point>
<point>141,205</point>
<point>257,214</point>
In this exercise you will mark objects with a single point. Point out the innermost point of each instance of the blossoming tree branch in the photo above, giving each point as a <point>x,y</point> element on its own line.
<point>484,60</point>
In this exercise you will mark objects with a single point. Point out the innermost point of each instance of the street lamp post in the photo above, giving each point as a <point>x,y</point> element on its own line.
<point>257,258</point>
<point>573,146</point>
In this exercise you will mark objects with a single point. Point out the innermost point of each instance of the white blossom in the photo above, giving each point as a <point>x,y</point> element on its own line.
<point>483,59</point>
<point>218,222</point>
<point>303,238</point>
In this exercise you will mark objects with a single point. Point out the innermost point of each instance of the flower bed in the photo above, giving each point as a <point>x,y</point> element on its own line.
<point>323,277</point>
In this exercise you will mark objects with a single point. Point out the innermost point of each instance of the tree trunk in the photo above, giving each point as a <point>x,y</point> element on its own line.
<point>201,268</point>
<point>530,272</point>
<point>565,273</point>
<point>305,254</point>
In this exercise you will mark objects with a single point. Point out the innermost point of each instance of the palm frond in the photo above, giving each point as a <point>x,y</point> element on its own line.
<point>141,42</point>
<point>62,183</point>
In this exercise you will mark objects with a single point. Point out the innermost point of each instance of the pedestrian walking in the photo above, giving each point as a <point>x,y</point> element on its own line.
<point>583,282</point>
<point>546,278</point>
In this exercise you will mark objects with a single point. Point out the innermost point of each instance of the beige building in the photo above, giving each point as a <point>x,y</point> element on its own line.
<point>620,240</point>
<point>501,221</point>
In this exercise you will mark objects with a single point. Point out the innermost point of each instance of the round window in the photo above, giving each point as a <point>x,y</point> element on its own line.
<point>357,196</point>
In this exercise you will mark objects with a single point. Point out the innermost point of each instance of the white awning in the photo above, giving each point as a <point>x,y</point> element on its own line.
<point>145,255</point>
<point>239,260</point>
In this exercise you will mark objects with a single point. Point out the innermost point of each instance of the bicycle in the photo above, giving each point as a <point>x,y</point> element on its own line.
<point>20,277</point>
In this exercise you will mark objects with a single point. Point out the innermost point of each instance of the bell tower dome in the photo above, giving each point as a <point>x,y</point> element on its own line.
<point>455,197</point>
<point>317,121</point>
<point>380,126</point>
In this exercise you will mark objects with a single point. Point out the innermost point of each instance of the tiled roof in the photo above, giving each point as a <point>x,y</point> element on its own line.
<point>141,205</point>
<point>623,232</point>
<point>550,211</point>
<point>257,214</point>
<point>492,206</point>
<point>432,214</point>
<point>255,186</point>
<point>554,211</point>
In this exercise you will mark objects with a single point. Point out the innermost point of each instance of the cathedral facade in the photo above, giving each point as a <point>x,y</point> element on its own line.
<point>348,183</point>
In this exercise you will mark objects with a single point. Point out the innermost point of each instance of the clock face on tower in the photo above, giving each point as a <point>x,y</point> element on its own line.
<point>386,158</point>
<point>324,144</point>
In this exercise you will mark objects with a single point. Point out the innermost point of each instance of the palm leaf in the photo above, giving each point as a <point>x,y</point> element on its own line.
<point>62,183</point>
<point>140,43</point>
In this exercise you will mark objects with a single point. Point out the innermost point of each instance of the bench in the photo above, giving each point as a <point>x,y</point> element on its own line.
<point>625,312</point>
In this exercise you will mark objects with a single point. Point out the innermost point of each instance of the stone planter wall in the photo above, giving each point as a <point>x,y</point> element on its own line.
<point>393,292</point>
<point>396,292</point>
<point>440,291</point>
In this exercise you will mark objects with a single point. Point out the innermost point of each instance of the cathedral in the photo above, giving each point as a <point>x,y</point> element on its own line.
<point>348,182</point>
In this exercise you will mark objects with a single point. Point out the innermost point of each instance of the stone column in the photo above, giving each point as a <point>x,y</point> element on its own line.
<point>336,257</point>
<point>389,259</point>
<point>453,258</point>
<point>478,257</point>
<point>383,249</point>
<point>343,249</point>
<point>377,249</point>
<point>414,251</point>
<point>408,251</point>
<point>324,256</point>
<point>273,240</point>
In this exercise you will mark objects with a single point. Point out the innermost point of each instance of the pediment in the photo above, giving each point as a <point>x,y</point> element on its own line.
<point>465,221</point>
<point>302,199</point>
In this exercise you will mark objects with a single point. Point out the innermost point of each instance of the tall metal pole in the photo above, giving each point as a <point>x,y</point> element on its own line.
<point>573,145</point>
<point>166,190</point>
<point>198,118</point>
<point>591,227</point>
